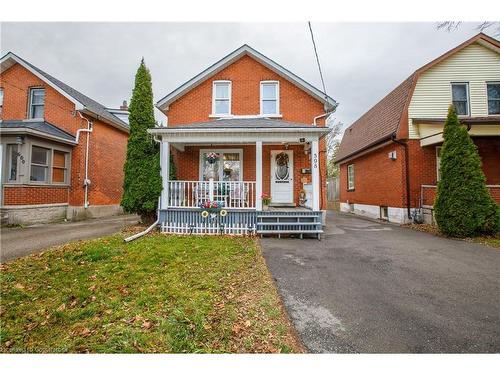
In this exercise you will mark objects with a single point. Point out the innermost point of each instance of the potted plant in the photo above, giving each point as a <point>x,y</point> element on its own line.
<point>266,199</point>
<point>302,197</point>
<point>212,157</point>
<point>211,208</point>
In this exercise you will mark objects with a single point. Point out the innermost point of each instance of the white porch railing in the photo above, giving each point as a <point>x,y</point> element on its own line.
<point>191,194</point>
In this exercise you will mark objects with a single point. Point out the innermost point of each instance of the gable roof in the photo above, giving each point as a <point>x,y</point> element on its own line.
<point>245,49</point>
<point>247,123</point>
<point>82,102</point>
<point>384,119</point>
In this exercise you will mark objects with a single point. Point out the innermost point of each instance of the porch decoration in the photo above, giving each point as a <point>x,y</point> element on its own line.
<point>211,208</point>
<point>302,197</point>
<point>223,213</point>
<point>266,200</point>
<point>212,157</point>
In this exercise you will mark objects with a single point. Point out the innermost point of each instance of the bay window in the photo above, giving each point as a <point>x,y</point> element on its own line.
<point>49,165</point>
<point>12,162</point>
<point>39,164</point>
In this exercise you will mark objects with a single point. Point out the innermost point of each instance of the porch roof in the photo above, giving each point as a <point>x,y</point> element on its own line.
<point>241,130</point>
<point>42,129</point>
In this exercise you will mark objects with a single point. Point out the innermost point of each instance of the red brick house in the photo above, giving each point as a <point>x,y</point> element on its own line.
<point>389,158</point>
<point>61,153</point>
<point>244,127</point>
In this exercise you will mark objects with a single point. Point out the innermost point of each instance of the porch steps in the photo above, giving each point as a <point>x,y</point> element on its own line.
<point>289,222</point>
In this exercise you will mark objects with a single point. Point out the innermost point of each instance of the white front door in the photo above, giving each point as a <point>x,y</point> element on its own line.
<point>282,176</point>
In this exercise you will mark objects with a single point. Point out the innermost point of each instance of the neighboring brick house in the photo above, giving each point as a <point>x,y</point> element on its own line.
<point>389,158</point>
<point>264,125</point>
<point>52,167</point>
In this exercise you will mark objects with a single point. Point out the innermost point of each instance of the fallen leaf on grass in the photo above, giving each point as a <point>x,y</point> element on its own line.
<point>147,324</point>
<point>62,307</point>
<point>19,286</point>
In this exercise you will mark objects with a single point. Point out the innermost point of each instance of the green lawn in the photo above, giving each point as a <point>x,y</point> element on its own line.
<point>157,294</point>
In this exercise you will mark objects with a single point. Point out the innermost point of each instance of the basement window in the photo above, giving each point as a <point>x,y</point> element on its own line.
<point>384,212</point>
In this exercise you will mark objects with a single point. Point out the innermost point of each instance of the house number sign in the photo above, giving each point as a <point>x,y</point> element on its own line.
<point>315,160</point>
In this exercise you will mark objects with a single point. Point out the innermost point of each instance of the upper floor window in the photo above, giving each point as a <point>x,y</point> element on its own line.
<point>350,177</point>
<point>269,98</point>
<point>221,98</point>
<point>460,98</point>
<point>37,103</point>
<point>493,90</point>
<point>1,101</point>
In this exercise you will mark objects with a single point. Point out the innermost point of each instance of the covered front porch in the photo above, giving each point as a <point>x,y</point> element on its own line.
<point>233,168</point>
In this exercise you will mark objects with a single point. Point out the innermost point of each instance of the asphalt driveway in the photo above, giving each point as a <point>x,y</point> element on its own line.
<point>378,288</point>
<point>18,242</point>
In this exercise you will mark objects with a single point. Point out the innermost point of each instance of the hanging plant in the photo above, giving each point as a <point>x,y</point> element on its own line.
<point>212,157</point>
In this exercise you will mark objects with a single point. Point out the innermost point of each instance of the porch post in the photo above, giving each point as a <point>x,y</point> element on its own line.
<point>258,175</point>
<point>315,173</point>
<point>165,172</point>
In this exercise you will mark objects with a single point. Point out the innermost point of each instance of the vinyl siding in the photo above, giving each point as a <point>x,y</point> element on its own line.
<point>474,64</point>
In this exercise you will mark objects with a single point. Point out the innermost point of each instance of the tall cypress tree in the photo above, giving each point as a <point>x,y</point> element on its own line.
<point>142,183</point>
<point>464,206</point>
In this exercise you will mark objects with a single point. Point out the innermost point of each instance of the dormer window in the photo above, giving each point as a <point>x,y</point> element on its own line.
<point>37,103</point>
<point>221,98</point>
<point>269,98</point>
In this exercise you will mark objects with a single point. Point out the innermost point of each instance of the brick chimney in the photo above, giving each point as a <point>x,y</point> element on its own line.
<point>124,106</point>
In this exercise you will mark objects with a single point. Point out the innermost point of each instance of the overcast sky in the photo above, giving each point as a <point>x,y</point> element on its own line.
<point>361,62</point>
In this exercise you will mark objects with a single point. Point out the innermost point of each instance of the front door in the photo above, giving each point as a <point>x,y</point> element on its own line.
<point>282,176</point>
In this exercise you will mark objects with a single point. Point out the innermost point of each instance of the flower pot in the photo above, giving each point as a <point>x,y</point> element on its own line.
<point>265,207</point>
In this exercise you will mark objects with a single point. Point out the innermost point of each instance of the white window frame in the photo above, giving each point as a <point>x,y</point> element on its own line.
<point>488,99</point>
<point>1,100</point>
<point>350,183</point>
<point>214,98</point>
<point>277,83</point>
<point>466,91</point>
<point>9,162</point>
<point>438,161</point>
<point>220,151</point>
<point>30,112</point>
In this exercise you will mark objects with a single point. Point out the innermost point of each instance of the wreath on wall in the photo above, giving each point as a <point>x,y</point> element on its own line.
<point>282,159</point>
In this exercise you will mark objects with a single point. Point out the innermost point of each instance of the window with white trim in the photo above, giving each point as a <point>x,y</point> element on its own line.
<point>269,98</point>
<point>350,177</point>
<point>1,101</point>
<point>227,167</point>
<point>221,98</point>
<point>493,91</point>
<point>37,103</point>
<point>460,98</point>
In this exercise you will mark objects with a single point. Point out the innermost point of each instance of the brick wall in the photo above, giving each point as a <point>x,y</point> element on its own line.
<point>378,180</point>
<point>246,73</point>
<point>25,195</point>
<point>107,146</point>
<point>381,182</point>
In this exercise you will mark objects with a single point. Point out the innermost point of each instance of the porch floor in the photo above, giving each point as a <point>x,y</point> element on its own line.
<point>288,209</point>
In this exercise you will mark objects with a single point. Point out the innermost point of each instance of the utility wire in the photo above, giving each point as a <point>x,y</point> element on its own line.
<point>317,60</point>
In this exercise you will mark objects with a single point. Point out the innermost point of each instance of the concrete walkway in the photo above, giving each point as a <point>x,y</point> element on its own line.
<point>378,288</point>
<point>17,242</point>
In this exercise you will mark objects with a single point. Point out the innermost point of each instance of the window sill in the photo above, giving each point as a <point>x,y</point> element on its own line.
<point>34,119</point>
<point>349,190</point>
<point>35,184</point>
<point>245,116</point>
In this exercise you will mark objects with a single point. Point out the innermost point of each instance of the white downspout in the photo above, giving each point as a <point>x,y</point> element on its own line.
<point>320,116</point>
<point>86,181</point>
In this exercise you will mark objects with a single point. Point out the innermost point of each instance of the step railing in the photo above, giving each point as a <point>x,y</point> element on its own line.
<point>192,194</point>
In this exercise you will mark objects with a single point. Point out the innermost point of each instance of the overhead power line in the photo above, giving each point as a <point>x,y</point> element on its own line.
<point>317,60</point>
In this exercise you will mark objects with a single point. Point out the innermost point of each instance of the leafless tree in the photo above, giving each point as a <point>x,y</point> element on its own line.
<point>332,145</point>
<point>450,26</point>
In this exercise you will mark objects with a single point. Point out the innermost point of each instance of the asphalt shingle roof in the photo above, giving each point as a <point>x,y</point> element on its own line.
<point>41,126</point>
<point>244,123</point>
<point>378,123</point>
<point>89,103</point>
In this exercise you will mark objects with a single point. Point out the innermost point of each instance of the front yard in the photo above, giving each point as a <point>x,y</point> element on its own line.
<point>157,294</point>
